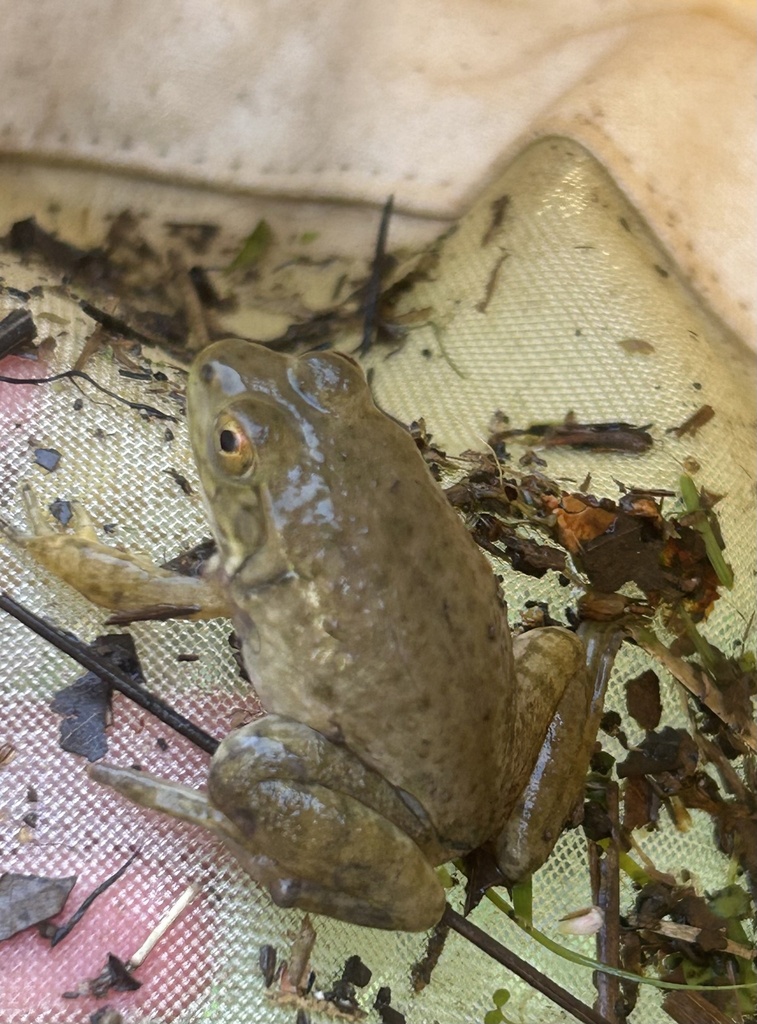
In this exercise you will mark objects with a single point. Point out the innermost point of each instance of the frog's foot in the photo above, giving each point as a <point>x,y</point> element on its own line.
<point>550,660</point>
<point>126,583</point>
<point>300,814</point>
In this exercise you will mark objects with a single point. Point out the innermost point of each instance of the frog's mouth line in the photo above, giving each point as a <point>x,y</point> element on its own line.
<point>252,578</point>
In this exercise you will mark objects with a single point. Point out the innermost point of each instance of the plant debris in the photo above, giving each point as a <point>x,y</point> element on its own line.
<point>421,971</point>
<point>694,423</point>
<point>498,208</point>
<point>106,1015</point>
<point>113,976</point>
<point>254,247</point>
<point>609,437</point>
<point>85,704</point>
<point>26,900</point>
<point>47,458</point>
<point>16,329</point>
<point>57,933</point>
<point>643,699</point>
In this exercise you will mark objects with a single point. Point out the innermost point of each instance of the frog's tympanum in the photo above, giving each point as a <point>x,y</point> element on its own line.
<point>404,727</point>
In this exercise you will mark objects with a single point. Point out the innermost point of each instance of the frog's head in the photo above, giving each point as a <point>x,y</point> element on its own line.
<point>265,429</point>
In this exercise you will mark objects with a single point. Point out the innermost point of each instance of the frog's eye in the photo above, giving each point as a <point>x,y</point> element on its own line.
<point>234,449</point>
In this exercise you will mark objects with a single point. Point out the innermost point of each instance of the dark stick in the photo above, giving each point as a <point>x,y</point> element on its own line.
<point>80,375</point>
<point>373,288</point>
<point>61,932</point>
<point>560,996</point>
<point>605,883</point>
<point>79,651</point>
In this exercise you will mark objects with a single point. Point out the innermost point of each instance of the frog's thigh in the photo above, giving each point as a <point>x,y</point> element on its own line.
<point>551,660</point>
<point>295,798</point>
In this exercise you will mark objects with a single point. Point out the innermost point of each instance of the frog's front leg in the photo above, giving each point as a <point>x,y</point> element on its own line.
<point>126,583</point>
<point>319,829</point>
<point>554,689</point>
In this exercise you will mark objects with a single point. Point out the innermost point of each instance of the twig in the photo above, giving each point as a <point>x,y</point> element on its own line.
<point>373,288</point>
<point>76,649</point>
<point>690,933</point>
<point>162,926</point>
<point>560,996</point>
<point>61,932</point>
<point>605,884</point>
<point>79,374</point>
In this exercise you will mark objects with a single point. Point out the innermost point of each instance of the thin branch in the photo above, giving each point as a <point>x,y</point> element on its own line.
<point>373,287</point>
<point>560,996</point>
<point>61,932</point>
<point>79,374</point>
<point>76,649</point>
<point>160,929</point>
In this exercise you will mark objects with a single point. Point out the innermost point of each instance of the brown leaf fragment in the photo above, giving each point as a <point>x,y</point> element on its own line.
<point>267,961</point>
<point>641,804</point>
<point>26,900</point>
<point>355,972</point>
<point>694,423</point>
<point>643,699</point>
<point>579,522</point>
<point>670,755</point>
<point>628,551</point>
<point>482,873</point>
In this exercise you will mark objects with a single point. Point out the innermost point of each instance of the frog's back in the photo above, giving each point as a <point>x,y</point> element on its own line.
<point>391,636</point>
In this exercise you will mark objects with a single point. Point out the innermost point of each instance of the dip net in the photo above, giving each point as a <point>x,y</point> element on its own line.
<point>554,300</point>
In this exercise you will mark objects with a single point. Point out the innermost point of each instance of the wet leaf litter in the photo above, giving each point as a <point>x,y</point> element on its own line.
<point>676,559</point>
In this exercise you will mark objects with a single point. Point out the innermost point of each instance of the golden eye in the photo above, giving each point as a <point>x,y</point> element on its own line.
<point>236,452</point>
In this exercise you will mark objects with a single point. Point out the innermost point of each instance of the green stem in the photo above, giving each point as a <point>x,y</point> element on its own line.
<point>701,523</point>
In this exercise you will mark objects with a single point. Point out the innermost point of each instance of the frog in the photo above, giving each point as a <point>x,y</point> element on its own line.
<point>405,726</point>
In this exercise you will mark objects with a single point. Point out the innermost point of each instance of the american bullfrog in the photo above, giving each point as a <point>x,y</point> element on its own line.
<point>404,726</point>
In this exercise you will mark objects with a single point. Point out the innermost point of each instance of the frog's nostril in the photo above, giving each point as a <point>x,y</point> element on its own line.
<point>206,373</point>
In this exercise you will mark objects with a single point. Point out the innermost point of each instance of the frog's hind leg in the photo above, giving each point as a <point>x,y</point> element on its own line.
<point>552,671</point>
<point>338,831</point>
